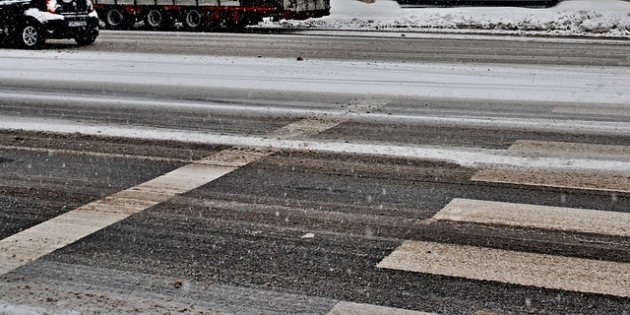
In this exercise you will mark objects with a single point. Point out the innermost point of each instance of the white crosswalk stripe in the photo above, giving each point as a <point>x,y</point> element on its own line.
<point>602,180</point>
<point>479,263</point>
<point>349,308</point>
<point>586,180</point>
<point>583,150</point>
<point>37,241</point>
<point>602,110</point>
<point>541,217</point>
<point>523,268</point>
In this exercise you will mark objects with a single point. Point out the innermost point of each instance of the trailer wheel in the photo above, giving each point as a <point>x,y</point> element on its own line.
<point>154,19</point>
<point>193,20</point>
<point>115,19</point>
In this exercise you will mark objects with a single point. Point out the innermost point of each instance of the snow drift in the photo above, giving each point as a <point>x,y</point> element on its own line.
<point>601,18</point>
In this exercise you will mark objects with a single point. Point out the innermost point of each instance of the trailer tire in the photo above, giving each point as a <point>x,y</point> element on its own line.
<point>193,20</point>
<point>115,19</point>
<point>156,19</point>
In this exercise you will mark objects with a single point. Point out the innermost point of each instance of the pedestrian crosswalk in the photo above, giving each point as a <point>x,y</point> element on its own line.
<point>585,150</point>
<point>525,268</point>
<point>46,237</point>
<point>540,217</point>
<point>587,180</point>
<point>350,308</point>
<point>480,263</point>
<point>452,259</point>
<point>601,111</point>
<point>576,179</point>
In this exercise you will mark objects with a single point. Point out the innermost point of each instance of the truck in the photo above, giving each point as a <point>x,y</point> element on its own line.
<point>198,15</point>
<point>28,23</point>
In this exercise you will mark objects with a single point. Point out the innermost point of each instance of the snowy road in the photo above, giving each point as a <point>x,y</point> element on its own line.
<point>235,178</point>
<point>373,46</point>
<point>522,83</point>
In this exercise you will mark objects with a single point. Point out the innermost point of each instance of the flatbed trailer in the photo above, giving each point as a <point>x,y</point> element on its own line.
<point>196,15</point>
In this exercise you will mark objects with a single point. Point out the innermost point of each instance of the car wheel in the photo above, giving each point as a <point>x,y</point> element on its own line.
<point>86,39</point>
<point>193,20</point>
<point>30,35</point>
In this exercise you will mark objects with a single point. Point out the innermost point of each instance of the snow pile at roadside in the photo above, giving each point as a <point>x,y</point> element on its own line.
<point>605,18</point>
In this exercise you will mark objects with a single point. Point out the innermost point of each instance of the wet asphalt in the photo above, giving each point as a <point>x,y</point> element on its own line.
<point>237,245</point>
<point>244,232</point>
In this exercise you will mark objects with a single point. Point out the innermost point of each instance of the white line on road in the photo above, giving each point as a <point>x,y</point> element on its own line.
<point>97,154</point>
<point>602,110</point>
<point>530,269</point>
<point>607,180</point>
<point>350,308</point>
<point>541,217</point>
<point>304,127</point>
<point>478,263</point>
<point>120,35</point>
<point>469,157</point>
<point>341,308</point>
<point>583,150</point>
<point>46,237</point>
<point>600,179</point>
<point>123,102</point>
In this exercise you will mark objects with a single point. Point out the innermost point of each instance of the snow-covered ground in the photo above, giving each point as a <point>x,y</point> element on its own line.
<point>575,85</point>
<point>601,18</point>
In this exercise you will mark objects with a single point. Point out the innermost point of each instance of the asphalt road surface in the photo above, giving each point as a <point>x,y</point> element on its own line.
<point>176,191</point>
<point>363,46</point>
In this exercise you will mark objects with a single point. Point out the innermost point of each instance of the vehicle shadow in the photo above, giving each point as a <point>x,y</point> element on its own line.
<point>49,45</point>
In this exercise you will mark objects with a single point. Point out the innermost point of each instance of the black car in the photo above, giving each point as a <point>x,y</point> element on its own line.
<point>28,23</point>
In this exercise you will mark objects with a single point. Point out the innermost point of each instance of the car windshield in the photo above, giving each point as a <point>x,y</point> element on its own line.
<point>315,157</point>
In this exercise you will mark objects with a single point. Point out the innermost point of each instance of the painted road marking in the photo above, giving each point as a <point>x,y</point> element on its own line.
<point>520,268</point>
<point>530,269</point>
<point>542,217</point>
<point>468,157</point>
<point>359,114</point>
<point>604,111</point>
<point>236,157</point>
<point>613,180</point>
<point>46,237</point>
<point>350,308</point>
<point>582,150</point>
<point>600,181</point>
<point>95,154</point>
<point>305,127</point>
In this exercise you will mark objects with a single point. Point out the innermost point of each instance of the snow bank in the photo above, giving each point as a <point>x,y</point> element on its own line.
<point>602,18</point>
